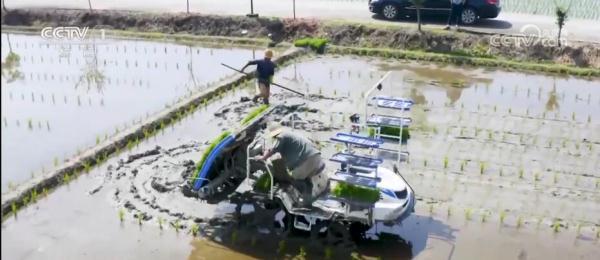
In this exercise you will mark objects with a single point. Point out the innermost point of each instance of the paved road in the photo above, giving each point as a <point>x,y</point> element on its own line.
<point>355,10</point>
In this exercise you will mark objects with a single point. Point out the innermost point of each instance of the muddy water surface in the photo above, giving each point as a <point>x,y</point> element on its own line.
<point>521,204</point>
<point>61,98</point>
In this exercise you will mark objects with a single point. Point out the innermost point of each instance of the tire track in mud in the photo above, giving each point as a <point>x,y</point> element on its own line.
<point>151,183</point>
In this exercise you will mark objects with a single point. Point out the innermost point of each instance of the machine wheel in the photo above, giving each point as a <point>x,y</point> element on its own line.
<point>469,16</point>
<point>358,231</point>
<point>337,234</point>
<point>390,11</point>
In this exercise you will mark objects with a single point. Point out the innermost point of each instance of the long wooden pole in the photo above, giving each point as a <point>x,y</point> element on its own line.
<point>274,84</point>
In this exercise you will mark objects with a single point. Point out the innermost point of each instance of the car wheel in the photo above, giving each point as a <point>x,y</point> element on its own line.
<point>468,16</point>
<point>389,11</point>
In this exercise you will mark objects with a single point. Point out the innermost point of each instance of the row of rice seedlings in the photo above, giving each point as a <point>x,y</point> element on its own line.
<point>27,199</point>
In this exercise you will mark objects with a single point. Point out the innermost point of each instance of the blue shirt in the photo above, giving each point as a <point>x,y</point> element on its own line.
<point>265,69</point>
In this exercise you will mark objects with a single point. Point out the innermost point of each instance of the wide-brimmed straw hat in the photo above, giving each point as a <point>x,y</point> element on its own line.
<point>274,131</point>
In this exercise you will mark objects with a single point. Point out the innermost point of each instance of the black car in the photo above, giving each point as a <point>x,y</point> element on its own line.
<point>472,11</point>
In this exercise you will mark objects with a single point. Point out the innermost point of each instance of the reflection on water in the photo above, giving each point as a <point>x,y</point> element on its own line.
<point>11,64</point>
<point>63,98</point>
<point>471,88</point>
<point>412,238</point>
<point>552,103</point>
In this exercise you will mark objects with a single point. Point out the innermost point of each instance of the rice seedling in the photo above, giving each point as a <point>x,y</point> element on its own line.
<point>589,119</point>
<point>29,124</point>
<point>302,253</point>
<point>121,215</point>
<point>468,214</point>
<point>537,177</point>
<point>573,116</point>
<point>462,165</point>
<point>86,166</point>
<point>66,178</point>
<point>556,226</point>
<point>578,228</point>
<point>34,195</point>
<point>140,218</point>
<point>490,135</point>
<point>510,111</point>
<point>431,209</point>
<point>425,163</point>
<point>25,200</point>
<point>176,225</point>
<point>45,192</point>
<point>328,253</point>
<point>446,162</point>
<point>281,247</point>
<point>97,140</point>
<point>160,221</point>
<point>13,208</point>
<point>521,172</point>
<point>501,172</point>
<point>502,216</point>
<point>481,167</point>
<point>519,222</point>
<point>449,211</point>
<point>484,217</point>
<point>194,228</point>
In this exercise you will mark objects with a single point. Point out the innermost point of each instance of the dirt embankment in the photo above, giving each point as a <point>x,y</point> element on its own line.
<point>578,54</point>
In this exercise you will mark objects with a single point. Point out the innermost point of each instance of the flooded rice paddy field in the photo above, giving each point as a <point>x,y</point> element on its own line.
<point>504,165</point>
<point>64,99</point>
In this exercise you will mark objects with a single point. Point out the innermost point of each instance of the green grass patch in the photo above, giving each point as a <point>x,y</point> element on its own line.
<point>254,113</point>
<point>358,193</point>
<point>316,44</point>
<point>210,148</point>
<point>393,131</point>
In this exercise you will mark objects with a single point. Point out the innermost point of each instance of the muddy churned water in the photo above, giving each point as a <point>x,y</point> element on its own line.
<point>61,99</point>
<point>505,165</point>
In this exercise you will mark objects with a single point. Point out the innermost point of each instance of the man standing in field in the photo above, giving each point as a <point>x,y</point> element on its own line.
<point>455,13</point>
<point>265,69</point>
